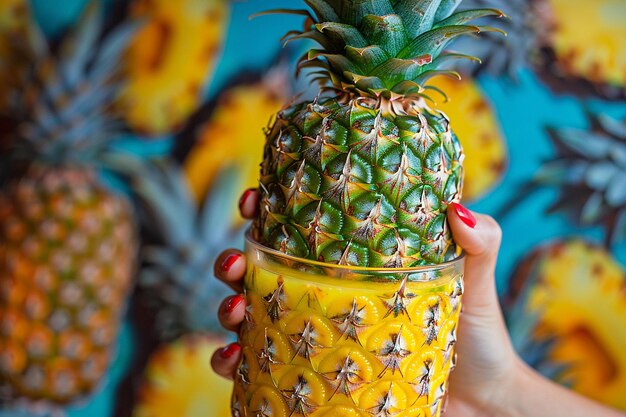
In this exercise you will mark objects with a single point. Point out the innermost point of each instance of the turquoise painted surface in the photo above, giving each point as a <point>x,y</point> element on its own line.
<point>54,17</point>
<point>242,54</point>
<point>524,110</point>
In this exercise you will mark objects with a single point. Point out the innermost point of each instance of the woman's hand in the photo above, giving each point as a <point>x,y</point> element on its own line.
<point>486,358</point>
<point>230,268</point>
<point>490,379</point>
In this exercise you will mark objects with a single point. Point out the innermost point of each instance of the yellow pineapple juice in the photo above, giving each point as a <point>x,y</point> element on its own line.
<point>330,340</point>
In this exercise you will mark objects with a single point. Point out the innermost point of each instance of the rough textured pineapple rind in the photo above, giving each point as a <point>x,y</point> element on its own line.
<point>360,181</point>
<point>474,121</point>
<point>364,177</point>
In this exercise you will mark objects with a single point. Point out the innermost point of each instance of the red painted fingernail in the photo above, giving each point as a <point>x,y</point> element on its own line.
<point>233,302</point>
<point>465,215</point>
<point>244,197</point>
<point>229,262</point>
<point>230,350</point>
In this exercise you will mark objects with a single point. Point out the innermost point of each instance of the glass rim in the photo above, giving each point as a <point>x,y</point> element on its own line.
<point>365,269</point>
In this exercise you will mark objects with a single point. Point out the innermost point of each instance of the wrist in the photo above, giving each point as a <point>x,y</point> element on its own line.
<point>505,401</point>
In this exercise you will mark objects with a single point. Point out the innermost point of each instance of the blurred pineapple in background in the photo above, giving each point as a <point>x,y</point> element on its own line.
<point>476,125</point>
<point>234,133</point>
<point>502,56</point>
<point>13,16</point>
<point>170,61</point>
<point>585,42</point>
<point>67,242</point>
<point>578,46</point>
<point>177,282</point>
<point>28,413</point>
<point>589,172</point>
<point>179,381</point>
<point>176,278</point>
<point>576,292</point>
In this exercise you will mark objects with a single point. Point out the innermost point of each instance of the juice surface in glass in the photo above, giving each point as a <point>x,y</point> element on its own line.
<point>329,340</point>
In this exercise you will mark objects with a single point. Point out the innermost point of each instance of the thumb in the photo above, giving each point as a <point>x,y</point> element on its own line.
<point>479,236</point>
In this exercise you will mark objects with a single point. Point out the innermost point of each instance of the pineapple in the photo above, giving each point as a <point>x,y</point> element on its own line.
<point>590,172</point>
<point>169,61</point>
<point>596,55</point>
<point>67,242</point>
<point>353,283</point>
<point>575,291</point>
<point>224,140</point>
<point>179,381</point>
<point>177,275</point>
<point>476,125</point>
<point>364,175</point>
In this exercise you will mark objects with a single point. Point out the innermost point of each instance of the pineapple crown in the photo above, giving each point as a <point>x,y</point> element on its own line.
<point>384,47</point>
<point>61,103</point>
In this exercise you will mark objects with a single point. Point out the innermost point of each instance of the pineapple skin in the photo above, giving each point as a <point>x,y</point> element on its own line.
<point>475,123</point>
<point>360,181</point>
<point>320,346</point>
<point>67,257</point>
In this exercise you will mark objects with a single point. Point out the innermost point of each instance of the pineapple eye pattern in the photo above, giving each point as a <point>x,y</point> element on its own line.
<point>329,350</point>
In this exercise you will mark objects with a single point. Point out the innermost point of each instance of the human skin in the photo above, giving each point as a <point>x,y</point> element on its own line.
<point>490,379</point>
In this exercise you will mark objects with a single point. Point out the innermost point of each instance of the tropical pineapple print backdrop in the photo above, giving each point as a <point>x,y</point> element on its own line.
<point>544,128</point>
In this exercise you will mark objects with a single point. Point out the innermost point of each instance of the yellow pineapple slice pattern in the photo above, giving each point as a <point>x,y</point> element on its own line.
<point>179,381</point>
<point>588,39</point>
<point>234,135</point>
<point>170,60</point>
<point>475,123</point>
<point>581,301</point>
<point>342,348</point>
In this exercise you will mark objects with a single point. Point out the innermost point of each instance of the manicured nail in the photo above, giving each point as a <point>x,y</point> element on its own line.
<point>233,302</point>
<point>229,262</point>
<point>465,215</point>
<point>246,194</point>
<point>230,350</point>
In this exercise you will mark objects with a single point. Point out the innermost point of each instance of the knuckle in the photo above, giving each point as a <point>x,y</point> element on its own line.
<point>492,235</point>
<point>493,229</point>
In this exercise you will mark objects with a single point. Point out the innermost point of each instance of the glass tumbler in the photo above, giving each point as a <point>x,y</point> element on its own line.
<point>332,340</point>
